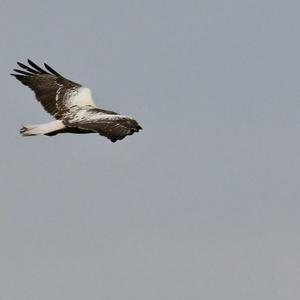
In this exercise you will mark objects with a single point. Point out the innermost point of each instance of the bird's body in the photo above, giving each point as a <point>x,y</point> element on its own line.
<point>72,106</point>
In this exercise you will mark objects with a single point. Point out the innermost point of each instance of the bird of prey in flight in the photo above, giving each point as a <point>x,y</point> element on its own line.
<point>72,106</point>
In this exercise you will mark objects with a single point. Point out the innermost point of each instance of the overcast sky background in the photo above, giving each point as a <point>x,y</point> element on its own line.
<point>204,203</point>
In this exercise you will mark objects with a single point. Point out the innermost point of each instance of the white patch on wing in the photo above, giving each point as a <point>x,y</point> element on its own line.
<point>113,117</point>
<point>58,92</point>
<point>86,114</point>
<point>80,97</point>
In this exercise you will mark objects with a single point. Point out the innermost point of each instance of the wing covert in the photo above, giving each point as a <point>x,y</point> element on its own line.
<point>55,92</point>
<point>111,125</point>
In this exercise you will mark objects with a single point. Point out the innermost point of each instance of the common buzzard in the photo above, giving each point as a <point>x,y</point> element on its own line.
<point>71,105</point>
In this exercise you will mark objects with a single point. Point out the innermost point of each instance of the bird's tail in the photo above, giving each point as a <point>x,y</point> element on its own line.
<point>32,130</point>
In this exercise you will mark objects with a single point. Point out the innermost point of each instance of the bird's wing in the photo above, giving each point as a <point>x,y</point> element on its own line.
<point>113,126</point>
<point>56,93</point>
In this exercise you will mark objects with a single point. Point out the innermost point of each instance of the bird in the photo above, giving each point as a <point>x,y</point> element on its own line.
<point>72,106</point>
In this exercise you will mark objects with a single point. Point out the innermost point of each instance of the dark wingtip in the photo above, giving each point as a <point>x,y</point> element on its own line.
<point>36,67</point>
<point>33,71</point>
<point>17,75</point>
<point>51,70</point>
<point>20,64</point>
<point>22,72</point>
<point>31,62</point>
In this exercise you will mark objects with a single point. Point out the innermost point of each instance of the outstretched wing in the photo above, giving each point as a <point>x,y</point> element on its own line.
<point>56,93</point>
<point>113,126</point>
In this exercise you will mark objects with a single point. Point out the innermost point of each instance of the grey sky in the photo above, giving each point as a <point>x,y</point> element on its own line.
<point>204,202</point>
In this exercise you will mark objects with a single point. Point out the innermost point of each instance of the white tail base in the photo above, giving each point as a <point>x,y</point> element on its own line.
<point>31,130</point>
